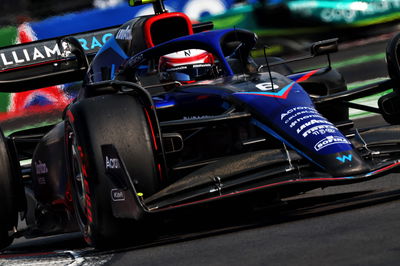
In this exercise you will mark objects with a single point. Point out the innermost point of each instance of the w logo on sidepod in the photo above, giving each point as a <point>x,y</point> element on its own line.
<point>345,158</point>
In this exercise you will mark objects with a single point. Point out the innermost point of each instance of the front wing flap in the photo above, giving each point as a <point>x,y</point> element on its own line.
<point>127,203</point>
<point>220,190</point>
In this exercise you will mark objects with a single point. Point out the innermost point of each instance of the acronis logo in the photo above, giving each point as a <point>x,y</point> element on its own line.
<point>345,158</point>
<point>112,163</point>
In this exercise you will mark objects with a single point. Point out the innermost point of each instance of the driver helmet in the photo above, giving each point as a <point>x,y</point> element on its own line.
<point>187,66</point>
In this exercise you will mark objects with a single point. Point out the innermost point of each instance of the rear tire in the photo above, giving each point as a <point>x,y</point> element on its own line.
<point>9,192</point>
<point>110,119</point>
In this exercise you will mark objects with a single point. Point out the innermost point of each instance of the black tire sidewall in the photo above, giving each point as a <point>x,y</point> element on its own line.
<point>117,120</point>
<point>8,194</point>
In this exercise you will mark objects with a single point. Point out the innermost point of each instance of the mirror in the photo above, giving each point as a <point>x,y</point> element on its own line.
<point>324,47</point>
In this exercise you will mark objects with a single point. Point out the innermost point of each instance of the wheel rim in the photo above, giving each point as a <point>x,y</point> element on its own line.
<point>78,180</point>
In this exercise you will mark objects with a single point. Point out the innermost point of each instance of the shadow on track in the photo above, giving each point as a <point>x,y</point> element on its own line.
<point>209,222</point>
<point>200,223</point>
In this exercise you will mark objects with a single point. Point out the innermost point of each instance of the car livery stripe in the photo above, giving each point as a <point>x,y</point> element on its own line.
<point>383,169</point>
<point>39,254</point>
<point>32,65</point>
<point>306,76</point>
<point>153,135</point>
<point>159,168</point>
<point>303,76</point>
<point>282,94</point>
<point>302,180</point>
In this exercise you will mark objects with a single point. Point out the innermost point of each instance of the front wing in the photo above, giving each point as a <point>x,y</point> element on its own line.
<point>210,189</point>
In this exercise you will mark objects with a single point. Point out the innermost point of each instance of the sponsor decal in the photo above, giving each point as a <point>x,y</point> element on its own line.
<point>320,130</point>
<point>345,158</point>
<point>117,194</point>
<point>41,168</point>
<point>112,163</point>
<point>302,117</point>
<point>124,34</point>
<point>67,51</point>
<point>94,42</point>
<point>136,60</point>
<point>29,55</point>
<point>196,117</point>
<point>201,65</point>
<point>329,140</point>
<point>312,130</point>
<point>177,68</point>
<point>267,86</point>
<point>114,167</point>
<point>295,109</point>
<point>302,113</point>
<point>306,117</point>
<point>311,122</point>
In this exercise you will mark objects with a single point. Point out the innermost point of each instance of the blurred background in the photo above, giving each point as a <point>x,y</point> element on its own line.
<point>268,17</point>
<point>17,11</point>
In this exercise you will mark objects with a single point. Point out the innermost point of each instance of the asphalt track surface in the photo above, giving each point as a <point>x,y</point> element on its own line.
<point>354,224</point>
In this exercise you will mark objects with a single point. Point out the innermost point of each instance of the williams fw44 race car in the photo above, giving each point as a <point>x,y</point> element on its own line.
<point>170,119</point>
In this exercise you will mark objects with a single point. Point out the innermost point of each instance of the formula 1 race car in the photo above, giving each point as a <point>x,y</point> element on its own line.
<point>170,119</point>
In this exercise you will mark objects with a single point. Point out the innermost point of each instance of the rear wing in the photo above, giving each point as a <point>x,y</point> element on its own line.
<point>49,62</point>
<point>55,61</point>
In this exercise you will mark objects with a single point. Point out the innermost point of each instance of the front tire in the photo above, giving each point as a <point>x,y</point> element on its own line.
<point>119,120</point>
